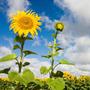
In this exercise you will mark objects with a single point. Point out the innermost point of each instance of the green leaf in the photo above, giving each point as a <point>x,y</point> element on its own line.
<point>56,45</point>
<point>6,70</point>
<point>50,46</point>
<point>27,52</point>
<point>16,47</point>
<point>14,76</point>
<point>56,84</point>
<point>47,56</point>
<point>55,54</point>
<point>27,76</point>
<point>26,63</point>
<point>44,70</point>
<point>63,61</point>
<point>58,74</point>
<point>8,58</point>
<point>59,49</point>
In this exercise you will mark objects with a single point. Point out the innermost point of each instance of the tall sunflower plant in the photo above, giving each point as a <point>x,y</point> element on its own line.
<point>54,52</point>
<point>25,25</point>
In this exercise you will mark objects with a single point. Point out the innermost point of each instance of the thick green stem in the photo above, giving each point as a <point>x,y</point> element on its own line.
<point>52,69</point>
<point>21,57</point>
<point>53,52</point>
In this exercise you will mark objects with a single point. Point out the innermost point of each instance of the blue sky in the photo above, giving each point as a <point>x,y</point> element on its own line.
<point>75,15</point>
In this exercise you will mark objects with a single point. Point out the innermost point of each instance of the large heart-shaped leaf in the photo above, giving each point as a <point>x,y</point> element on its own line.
<point>56,84</point>
<point>44,70</point>
<point>27,76</point>
<point>14,76</point>
<point>8,58</point>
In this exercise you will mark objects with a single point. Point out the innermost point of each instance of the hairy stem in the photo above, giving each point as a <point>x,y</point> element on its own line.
<point>53,52</point>
<point>21,56</point>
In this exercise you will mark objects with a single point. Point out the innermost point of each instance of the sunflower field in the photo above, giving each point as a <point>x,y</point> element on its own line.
<point>25,26</point>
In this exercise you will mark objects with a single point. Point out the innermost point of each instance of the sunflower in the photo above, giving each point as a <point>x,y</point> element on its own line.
<point>24,23</point>
<point>59,26</point>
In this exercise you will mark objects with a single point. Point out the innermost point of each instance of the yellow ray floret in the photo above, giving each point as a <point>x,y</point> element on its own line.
<point>24,23</point>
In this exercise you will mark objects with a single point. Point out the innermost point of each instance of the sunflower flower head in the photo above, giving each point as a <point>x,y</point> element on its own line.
<point>24,23</point>
<point>59,26</point>
<point>69,76</point>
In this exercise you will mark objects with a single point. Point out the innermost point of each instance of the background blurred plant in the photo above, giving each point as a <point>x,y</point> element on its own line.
<point>76,83</point>
<point>55,49</point>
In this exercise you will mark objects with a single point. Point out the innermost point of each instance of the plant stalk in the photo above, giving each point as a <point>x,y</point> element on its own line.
<point>21,56</point>
<point>53,52</point>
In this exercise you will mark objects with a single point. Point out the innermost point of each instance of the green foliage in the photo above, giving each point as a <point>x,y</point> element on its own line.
<point>26,64</point>
<point>6,70</point>
<point>44,70</point>
<point>26,77</point>
<point>18,39</point>
<point>27,52</point>
<point>59,48</point>
<point>22,39</point>
<point>47,56</point>
<point>63,61</point>
<point>56,84</point>
<point>58,74</point>
<point>8,58</point>
<point>14,76</point>
<point>16,47</point>
<point>6,85</point>
<point>28,38</point>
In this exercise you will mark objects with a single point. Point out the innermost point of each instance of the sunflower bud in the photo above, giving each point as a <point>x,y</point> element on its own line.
<point>59,26</point>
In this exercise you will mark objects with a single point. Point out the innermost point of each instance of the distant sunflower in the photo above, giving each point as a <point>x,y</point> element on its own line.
<point>59,26</point>
<point>24,23</point>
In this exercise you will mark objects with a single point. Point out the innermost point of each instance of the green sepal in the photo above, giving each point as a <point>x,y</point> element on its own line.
<point>19,39</point>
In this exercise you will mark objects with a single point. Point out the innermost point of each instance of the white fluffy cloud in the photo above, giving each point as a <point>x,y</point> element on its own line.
<point>4,50</point>
<point>49,24</point>
<point>75,70</point>
<point>77,50</point>
<point>15,6</point>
